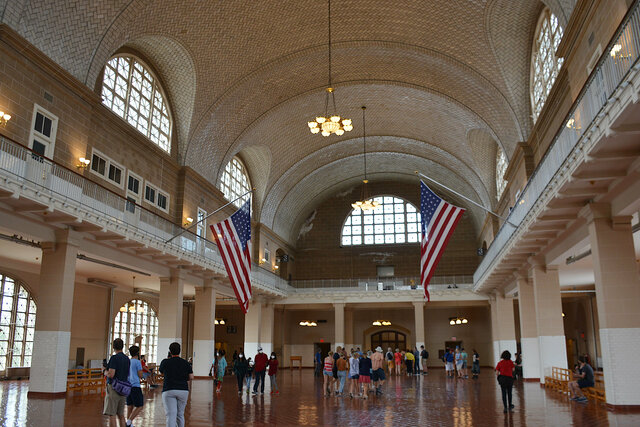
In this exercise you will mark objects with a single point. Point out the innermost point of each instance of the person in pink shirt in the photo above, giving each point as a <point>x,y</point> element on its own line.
<point>398,359</point>
<point>377,359</point>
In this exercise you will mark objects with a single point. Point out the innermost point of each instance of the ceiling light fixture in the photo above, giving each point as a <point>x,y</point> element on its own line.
<point>83,163</point>
<point>311,323</point>
<point>330,122</point>
<point>381,323</point>
<point>365,203</point>
<point>220,322</point>
<point>458,321</point>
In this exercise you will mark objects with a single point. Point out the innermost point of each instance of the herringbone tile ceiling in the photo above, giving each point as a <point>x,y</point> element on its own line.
<point>445,82</point>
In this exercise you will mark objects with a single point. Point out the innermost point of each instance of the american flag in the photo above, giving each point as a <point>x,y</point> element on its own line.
<point>233,236</point>
<point>438,220</point>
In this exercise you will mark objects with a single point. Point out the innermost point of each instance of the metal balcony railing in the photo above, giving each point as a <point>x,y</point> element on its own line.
<point>618,59</point>
<point>383,283</point>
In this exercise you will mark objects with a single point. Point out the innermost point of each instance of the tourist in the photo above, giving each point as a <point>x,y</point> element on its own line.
<point>249,374</point>
<point>365,374</point>
<point>517,373</point>
<point>135,401</point>
<point>448,360</point>
<point>343,366</point>
<point>327,373</point>
<point>409,361</point>
<point>398,359</point>
<point>116,370</point>
<point>416,361</point>
<point>354,373</point>
<point>318,363</point>
<point>273,371</point>
<point>334,381</point>
<point>464,356</point>
<point>585,378</point>
<point>377,373</point>
<point>504,369</point>
<point>259,370</point>
<point>148,373</point>
<point>240,368</point>
<point>475,369</point>
<point>177,383</point>
<point>424,355</point>
<point>222,368</point>
<point>389,358</point>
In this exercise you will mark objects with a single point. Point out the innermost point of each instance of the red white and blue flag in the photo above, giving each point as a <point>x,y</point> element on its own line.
<point>233,236</point>
<point>438,220</point>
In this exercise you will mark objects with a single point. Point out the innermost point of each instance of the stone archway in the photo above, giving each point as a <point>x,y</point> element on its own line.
<point>369,332</point>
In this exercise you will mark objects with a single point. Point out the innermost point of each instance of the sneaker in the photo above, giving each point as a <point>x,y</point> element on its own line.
<point>129,423</point>
<point>582,400</point>
<point>277,391</point>
<point>512,406</point>
<point>254,393</point>
<point>505,410</point>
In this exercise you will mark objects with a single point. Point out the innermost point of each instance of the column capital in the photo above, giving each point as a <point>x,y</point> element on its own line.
<point>593,211</point>
<point>418,304</point>
<point>339,305</point>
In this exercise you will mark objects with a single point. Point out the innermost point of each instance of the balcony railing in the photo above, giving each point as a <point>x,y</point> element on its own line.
<point>619,57</point>
<point>384,283</point>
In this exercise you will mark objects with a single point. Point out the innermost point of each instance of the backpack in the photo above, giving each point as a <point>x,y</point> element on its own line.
<point>389,355</point>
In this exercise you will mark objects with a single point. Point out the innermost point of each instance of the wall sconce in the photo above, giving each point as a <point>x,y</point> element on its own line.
<point>188,221</point>
<point>616,53</point>
<point>262,261</point>
<point>4,118</point>
<point>220,322</point>
<point>84,163</point>
<point>275,268</point>
<point>571,124</point>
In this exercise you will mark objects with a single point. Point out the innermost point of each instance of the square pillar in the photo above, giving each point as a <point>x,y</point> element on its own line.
<point>50,360</point>
<point>252,321</point>
<point>503,325</point>
<point>548,302</point>
<point>170,313</point>
<point>618,298</point>
<point>528,329</point>
<point>338,336</point>
<point>204,344</point>
<point>266,328</point>
<point>348,329</point>
<point>418,309</point>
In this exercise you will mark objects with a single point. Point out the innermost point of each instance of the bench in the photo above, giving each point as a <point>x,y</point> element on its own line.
<point>559,380</point>
<point>596,392</point>
<point>85,380</point>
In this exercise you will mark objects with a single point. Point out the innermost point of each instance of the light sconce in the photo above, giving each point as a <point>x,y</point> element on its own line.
<point>263,260</point>
<point>571,124</point>
<point>458,321</point>
<point>311,323</point>
<point>188,221</point>
<point>275,268</point>
<point>220,322</point>
<point>4,118</point>
<point>616,53</point>
<point>131,309</point>
<point>83,163</point>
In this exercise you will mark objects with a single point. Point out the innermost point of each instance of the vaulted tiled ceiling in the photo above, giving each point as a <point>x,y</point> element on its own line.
<point>445,82</point>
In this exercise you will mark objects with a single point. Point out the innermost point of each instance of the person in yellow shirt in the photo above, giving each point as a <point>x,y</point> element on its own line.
<point>409,360</point>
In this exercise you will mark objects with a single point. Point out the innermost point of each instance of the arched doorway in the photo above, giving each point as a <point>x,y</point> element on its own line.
<point>386,339</point>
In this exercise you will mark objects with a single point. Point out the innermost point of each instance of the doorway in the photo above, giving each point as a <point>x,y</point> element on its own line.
<point>324,347</point>
<point>386,339</point>
<point>453,344</point>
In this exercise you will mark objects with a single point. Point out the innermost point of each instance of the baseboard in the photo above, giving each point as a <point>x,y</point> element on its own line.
<point>202,377</point>
<point>45,395</point>
<point>531,380</point>
<point>623,408</point>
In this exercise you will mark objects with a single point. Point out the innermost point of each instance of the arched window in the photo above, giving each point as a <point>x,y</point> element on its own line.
<point>544,63</point>
<point>137,318</point>
<point>394,221</point>
<point>386,339</point>
<point>235,182</point>
<point>131,91</point>
<point>501,168</point>
<point>17,324</point>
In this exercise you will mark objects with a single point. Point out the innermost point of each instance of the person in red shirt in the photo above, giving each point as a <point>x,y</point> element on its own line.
<point>259,370</point>
<point>273,370</point>
<point>504,369</point>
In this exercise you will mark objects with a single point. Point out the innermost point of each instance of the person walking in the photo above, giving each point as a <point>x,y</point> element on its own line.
<point>517,373</point>
<point>249,374</point>
<point>116,370</point>
<point>365,374</point>
<point>416,361</point>
<point>448,360</point>
<point>221,369</point>
<point>273,371</point>
<point>327,373</point>
<point>397,357</point>
<point>464,356</point>
<point>240,368</point>
<point>354,373</point>
<point>389,358</point>
<point>334,383</point>
<point>377,373</point>
<point>504,369</point>
<point>318,363</point>
<point>409,358</point>
<point>475,368</point>
<point>260,369</point>
<point>424,355</point>
<point>177,383</point>
<point>135,400</point>
<point>343,367</point>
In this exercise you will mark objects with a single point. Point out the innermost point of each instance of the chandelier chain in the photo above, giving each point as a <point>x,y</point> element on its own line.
<point>364,141</point>
<point>329,1</point>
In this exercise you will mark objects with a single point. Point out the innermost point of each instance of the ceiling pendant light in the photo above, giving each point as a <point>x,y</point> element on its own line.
<point>330,123</point>
<point>365,203</point>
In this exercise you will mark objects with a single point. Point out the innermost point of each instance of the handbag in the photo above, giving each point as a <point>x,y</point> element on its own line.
<point>123,388</point>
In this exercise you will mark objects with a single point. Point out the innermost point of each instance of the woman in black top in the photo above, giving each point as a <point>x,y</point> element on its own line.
<point>175,391</point>
<point>240,368</point>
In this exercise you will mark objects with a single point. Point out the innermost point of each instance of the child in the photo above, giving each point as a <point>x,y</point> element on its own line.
<point>249,374</point>
<point>327,373</point>
<point>354,373</point>
<point>222,367</point>
<point>273,370</point>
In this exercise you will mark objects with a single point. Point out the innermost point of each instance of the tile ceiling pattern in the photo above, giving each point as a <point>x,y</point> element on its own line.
<point>444,82</point>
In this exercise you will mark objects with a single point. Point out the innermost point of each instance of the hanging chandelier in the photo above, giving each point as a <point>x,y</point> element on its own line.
<point>381,323</point>
<point>331,122</point>
<point>458,321</point>
<point>365,203</point>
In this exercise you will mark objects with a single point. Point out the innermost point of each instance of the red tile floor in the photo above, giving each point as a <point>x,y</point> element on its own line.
<point>431,400</point>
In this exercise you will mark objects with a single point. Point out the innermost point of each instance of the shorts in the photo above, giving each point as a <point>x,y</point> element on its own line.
<point>464,365</point>
<point>135,397</point>
<point>459,365</point>
<point>113,402</point>
<point>328,373</point>
<point>378,375</point>
<point>354,377</point>
<point>583,383</point>
<point>364,379</point>
<point>146,375</point>
<point>449,366</point>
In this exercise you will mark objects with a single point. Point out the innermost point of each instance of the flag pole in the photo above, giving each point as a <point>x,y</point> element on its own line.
<point>467,199</point>
<point>212,213</point>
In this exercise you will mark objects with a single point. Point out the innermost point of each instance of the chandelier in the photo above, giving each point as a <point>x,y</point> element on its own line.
<point>365,203</point>
<point>311,323</point>
<point>381,323</point>
<point>458,321</point>
<point>331,122</point>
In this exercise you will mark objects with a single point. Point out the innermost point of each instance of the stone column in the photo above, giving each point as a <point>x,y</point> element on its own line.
<point>528,329</point>
<point>204,329</point>
<point>618,299</point>
<point>170,312</point>
<point>266,328</point>
<point>252,321</point>
<point>338,337</point>
<point>503,325</point>
<point>52,338</point>
<point>419,320</point>
<point>551,338</point>
<point>348,329</point>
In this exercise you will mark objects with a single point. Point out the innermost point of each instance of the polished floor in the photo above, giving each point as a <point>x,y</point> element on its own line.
<point>431,400</point>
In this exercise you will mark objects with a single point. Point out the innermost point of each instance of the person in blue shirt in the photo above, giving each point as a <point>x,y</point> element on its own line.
<point>222,368</point>
<point>448,359</point>
<point>318,363</point>
<point>135,401</point>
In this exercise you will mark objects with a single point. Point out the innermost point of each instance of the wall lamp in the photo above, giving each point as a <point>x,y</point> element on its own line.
<point>220,322</point>
<point>188,221</point>
<point>4,118</point>
<point>262,261</point>
<point>84,163</point>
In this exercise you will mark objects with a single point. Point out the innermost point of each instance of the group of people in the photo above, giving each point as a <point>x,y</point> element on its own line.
<point>455,362</point>
<point>246,368</point>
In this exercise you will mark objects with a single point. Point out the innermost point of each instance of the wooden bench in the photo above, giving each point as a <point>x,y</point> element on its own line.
<point>294,358</point>
<point>85,380</point>
<point>596,392</point>
<point>559,380</point>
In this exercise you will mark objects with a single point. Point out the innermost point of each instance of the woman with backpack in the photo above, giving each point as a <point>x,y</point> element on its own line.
<point>240,368</point>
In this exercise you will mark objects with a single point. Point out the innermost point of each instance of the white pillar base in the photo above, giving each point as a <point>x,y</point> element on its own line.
<point>163,347</point>
<point>50,362</point>
<point>530,357</point>
<point>204,352</point>
<point>553,352</point>
<point>502,345</point>
<point>251,349</point>
<point>621,371</point>
<point>49,413</point>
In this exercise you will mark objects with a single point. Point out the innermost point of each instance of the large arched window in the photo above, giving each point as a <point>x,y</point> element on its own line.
<point>394,221</point>
<point>131,91</point>
<point>137,318</point>
<point>544,63</point>
<point>17,324</point>
<point>235,182</point>
<point>501,168</point>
